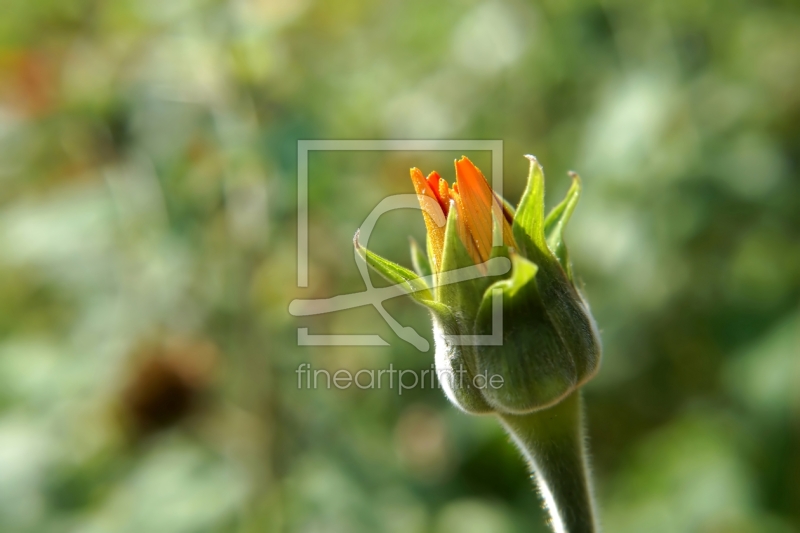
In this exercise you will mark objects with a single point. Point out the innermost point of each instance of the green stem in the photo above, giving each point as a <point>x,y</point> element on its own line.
<point>553,443</point>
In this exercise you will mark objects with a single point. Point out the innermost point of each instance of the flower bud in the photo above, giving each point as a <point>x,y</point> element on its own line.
<point>549,344</point>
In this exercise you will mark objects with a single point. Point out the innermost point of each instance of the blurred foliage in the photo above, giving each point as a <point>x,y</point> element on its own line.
<point>148,159</point>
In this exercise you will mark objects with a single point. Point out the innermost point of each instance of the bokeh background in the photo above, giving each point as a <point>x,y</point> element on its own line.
<point>148,159</point>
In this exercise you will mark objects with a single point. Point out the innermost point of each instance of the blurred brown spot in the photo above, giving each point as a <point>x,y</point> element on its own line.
<point>422,443</point>
<point>166,385</point>
<point>28,79</point>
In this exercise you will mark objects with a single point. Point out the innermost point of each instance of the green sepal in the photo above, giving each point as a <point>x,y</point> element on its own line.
<point>557,220</point>
<point>536,366</point>
<point>528,224</point>
<point>462,295</point>
<point>413,284</point>
<point>419,260</point>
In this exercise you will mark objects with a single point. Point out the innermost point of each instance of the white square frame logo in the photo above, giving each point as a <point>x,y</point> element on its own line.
<point>304,147</point>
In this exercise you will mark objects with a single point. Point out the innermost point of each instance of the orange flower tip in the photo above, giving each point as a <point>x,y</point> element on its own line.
<point>469,174</point>
<point>465,162</point>
<point>418,179</point>
<point>433,180</point>
<point>443,194</point>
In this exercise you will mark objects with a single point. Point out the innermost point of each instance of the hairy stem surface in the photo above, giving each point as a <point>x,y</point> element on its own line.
<point>553,443</point>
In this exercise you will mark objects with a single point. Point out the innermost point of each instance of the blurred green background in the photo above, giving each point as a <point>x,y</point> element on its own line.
<point>148,163</point>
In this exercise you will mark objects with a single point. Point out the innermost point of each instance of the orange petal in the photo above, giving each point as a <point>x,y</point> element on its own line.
<point>433,214</point>
<point>463,229</point>
<point>433,180</point>
<point>437,184</point>
<point>477,202</point>
<point>444,195</point>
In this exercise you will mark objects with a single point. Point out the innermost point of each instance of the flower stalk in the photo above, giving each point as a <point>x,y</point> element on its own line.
<point>552,442</point>
<point>548,344</point>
